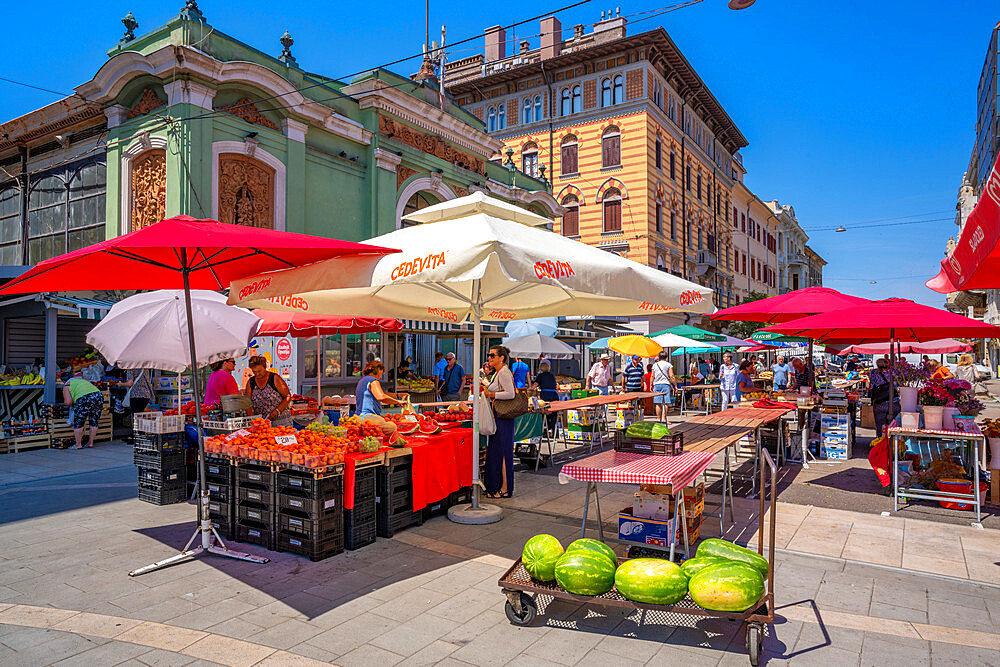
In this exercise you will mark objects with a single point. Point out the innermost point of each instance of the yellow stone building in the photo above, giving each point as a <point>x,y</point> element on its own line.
<point>638,151</point>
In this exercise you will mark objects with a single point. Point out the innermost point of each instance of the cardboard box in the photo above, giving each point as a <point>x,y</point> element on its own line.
<point>644,531</point>
<point>652,506</point>
<point>167,382</point>
<point>624,421</point>
<point>694,494</point>
<point>171,401</point>
<point>582,436</point>
<point>583,417</point>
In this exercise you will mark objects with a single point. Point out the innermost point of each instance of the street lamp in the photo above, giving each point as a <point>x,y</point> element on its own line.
<point>740,4</point>
<point>841,228</point>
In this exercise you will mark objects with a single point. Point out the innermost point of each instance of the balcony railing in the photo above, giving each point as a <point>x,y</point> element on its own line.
<point>707,262</point>
<point>795,258</point>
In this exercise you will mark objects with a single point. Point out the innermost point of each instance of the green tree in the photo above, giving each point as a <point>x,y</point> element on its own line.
<point>746,329</point>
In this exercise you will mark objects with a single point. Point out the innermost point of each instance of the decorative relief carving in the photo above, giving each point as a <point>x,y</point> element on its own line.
<point>460,191</point>
<point>633,84</point>
<point>147,102</point>
<point>246,109</point>
<point>402,174</point>
<point>246,191</point>
<point>429,144</point>
<point>149,188</point>
<point>589,94</point>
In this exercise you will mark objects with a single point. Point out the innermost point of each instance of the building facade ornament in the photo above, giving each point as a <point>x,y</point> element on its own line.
<point>387,160</point>
<point>130,25</point>
<point>393,129</point>
<point>246,109</point>
<point>402,175</point>
<point>148,100</point>
<point>294,130</point>
<point>184,91</point>
<point>149,188</point>
<point>246,191</point>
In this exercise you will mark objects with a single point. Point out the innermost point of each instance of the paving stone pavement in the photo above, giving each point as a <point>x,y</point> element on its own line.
<point>428,596</point>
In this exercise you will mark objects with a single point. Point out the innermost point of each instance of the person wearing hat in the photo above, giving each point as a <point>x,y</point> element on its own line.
<point>451,379</point>
<point>632,375</point>
<point>599,376</point>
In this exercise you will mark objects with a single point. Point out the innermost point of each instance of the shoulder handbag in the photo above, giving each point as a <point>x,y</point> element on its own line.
<point>511,408</point>
<point>880,392</point>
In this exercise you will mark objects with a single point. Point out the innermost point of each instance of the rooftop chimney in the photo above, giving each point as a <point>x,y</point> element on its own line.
<point>551,37</point>
<point>496,44</point>
<point>525,46</point>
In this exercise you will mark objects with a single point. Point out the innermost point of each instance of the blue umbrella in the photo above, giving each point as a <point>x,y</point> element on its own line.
<point>600,343</point>
<point>545,326</point>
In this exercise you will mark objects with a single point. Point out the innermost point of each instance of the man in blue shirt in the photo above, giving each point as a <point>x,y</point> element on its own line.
<point>439,365</point>
<point>632,375</point>
<point>781,371</point>
<point>519,370</point>
<point>451,379</point>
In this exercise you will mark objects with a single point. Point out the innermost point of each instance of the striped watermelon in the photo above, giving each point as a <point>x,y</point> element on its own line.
<point>693,566</point>
<point>731,586</point>
<point>540,555</point>
<point>723,549</point>
<point>595,546</point>
<point>651,580</point>
<point>585,573</point>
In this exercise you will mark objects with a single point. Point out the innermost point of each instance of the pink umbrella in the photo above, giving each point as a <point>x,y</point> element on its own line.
<point>942,346</point>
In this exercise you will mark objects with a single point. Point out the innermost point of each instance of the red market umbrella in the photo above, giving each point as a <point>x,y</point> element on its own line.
<point>975,261</point>
<point>942,346</point>
<point>789,306</point>
<point>307,325</point>
<point>183,252</point>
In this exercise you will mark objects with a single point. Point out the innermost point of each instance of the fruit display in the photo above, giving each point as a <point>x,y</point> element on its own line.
<point>417,386</point>
<point>596,546</point>
<point>540,555</point>
<point>647,430</point>
<point>693,566</point>
<point>585,572</point>
<point>14,378</point>
<point>651,580</point>
<point>728,586</point>
<point>283,444</point>
<point>730,551</point>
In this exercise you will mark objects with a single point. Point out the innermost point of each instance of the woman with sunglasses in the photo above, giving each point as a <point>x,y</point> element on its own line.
<point>221,382</point>
<point>499,473</point>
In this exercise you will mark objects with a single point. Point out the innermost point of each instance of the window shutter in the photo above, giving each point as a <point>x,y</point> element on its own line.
<point>571,221</point>
<point>569,159</point>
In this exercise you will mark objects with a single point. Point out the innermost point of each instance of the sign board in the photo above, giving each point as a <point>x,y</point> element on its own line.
<point>237,434</point>
<point>283,349</point>
<point>282,358</point>
<point>286,440</point>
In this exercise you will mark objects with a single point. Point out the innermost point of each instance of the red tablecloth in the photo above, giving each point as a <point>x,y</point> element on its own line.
<point>442,463</point>
<point>629,468</point>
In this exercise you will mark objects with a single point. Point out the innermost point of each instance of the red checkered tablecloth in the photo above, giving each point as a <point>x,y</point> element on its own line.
<point>629,468</point>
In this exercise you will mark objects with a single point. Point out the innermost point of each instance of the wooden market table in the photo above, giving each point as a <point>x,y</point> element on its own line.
<point>677,472</point>
<point>972,437</point>
<point>707,389</point>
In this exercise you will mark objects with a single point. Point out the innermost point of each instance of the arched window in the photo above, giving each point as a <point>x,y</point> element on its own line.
<point>612,205</point>
<point>611,148</point>
<point>570,163</point>
<point>606,92</point>
<point>577,99</point>
<point>618,90</point>
<point>501,116</point>
<point>526,113</point>
<point>571,218</point>
<point>565,103</point>
<point>657,94</point>
<point>538,107</point>
<point>10,226</point>
<point>529,159</point>
<point>415,203</point>
<point>491,119</point>
<point>658,151</point>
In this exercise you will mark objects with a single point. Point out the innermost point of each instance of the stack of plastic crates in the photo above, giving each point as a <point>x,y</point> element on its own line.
<point>159,455</point>
<point>394,499</point>
<point>255,504</point>
<point>310,514</point>
<point>359,522</point>
<point>220,478</point>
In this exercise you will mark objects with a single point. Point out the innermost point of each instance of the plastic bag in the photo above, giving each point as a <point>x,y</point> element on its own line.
<point>487,424</point>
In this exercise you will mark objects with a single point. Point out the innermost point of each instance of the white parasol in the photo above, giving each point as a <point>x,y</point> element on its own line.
<point>535,346</point>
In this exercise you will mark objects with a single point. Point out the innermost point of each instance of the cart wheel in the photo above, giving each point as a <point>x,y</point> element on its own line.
<point>755,643</point>
<point>528,611</point>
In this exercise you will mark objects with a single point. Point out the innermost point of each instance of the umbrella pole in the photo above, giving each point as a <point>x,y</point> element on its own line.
<point>205,524</point>
<point>319,372</point>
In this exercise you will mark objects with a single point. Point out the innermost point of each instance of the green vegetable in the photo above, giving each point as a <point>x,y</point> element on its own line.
<point>651,580</point>
<point>731,586</point>
<point>724,549</point>
<point>596,546</point>
<point>585,573</point>
<point>649,430</point>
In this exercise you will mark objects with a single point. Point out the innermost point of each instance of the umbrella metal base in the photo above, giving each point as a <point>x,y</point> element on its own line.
<point>219,548</point>
<point>476,516</point>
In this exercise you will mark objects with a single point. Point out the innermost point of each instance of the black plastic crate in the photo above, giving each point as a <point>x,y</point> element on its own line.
<point>161,496</point>
<point>395,502</point>
<point>307,485</point>
<point>314,550</point>
<point>219,471</point>
<point>359,526</point>
<point>312,528</point>
<point>224,528</point>
<point>251,496</point>
<point>364,483</point>
<point>221,511</point>
<point>387,525</point>
<point>436,508</point>
<point>160,442</point>
<point>460,497</point>
<point>254,515</point>
<point>255,534</point>
<point>221,492</point>
<point>159,461</point>
<point>167,479</point>
<point>258,477</point>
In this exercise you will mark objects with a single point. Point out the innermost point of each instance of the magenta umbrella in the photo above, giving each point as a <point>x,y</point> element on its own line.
<point>942,346</point>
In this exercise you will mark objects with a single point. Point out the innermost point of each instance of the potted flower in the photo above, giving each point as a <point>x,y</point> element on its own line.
<point>934,398</point>
<point>957,388</point>
<point>908,379</point>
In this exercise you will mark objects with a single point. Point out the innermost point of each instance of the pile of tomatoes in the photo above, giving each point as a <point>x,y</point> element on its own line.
<point>187,409</point>
<point>260,442</point>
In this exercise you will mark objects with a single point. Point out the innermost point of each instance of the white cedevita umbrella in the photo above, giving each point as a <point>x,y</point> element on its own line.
<point>535,346</point>
<point>475,260</point>
<point>149,330</point>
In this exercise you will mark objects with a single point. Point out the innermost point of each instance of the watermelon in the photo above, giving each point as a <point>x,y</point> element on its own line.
<point>585,572</point>
<point>731,586</point>
<point>407,427</point>
<point>723,549</point>
<point>429,427</point>
<point>540,555</point>
<point>648,430</point>
<point>693,566</point>
<point>651,580</point>
<point>596,546</point>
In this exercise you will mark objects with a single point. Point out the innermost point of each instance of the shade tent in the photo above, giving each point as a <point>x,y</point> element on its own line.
<point>185,253</point>
<point>672,340</point>
<point>942,346</point>
<point>536,346</point>
<point>600,343</point>
<point>691,332</point>
<point>789,306</point>
<point>974,263</point>
<point>472,264</point>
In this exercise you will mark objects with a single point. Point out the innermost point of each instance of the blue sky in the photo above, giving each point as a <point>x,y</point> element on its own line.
<point>855,110</point>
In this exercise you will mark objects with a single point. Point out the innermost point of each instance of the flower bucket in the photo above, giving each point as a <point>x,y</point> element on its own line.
<point>910,419</point>
<point>933,417</point>
<point>995,452</point>
<point>948,420</point>
<point>908,399</point>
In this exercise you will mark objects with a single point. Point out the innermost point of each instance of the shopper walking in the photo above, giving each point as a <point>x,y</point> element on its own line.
<point>520,371</point>
<point>545,382</point>
<point>451,379</point>
<point>88,404</point>
<point>781,371</point>
<point>966,370</point>
<point>599,377</point>
<point>499,474</point>
<point>439,365</point>
<point>269,395</point>
<point>728,373</point>
<point>663,381</point>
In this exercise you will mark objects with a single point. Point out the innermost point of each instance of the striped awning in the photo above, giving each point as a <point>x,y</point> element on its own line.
<point>579,334</point>
<point>87,309</point>
<point>428,327</point>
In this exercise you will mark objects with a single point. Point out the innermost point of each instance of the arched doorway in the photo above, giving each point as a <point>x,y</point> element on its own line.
<point>417,201</point>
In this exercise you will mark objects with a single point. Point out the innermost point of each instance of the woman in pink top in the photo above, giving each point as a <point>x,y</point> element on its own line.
<point>221,382</point>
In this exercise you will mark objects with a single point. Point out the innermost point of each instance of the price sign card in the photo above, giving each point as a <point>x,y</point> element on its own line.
<point>237,434</point>
<point>286,440</point>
